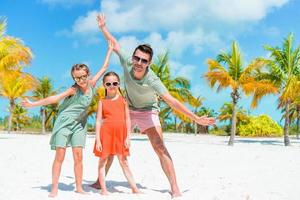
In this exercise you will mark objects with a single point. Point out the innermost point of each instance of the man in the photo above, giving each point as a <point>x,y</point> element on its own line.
<point>142,87</point>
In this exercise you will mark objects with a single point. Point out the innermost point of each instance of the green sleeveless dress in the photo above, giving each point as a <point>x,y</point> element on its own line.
<point>70,127</point>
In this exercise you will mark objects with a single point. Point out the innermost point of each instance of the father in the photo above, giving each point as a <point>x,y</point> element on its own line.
<point>142,87</point>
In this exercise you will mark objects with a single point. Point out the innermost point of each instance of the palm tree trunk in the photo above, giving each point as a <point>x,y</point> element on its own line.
<point>235,97</point>
<point>196,126</point>
<point>286,125</point>
<point>43,120</point>
<point>18,127</point>
<point>11,109</point>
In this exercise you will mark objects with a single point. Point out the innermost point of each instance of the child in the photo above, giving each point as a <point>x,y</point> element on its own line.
<point>70,127</point>
<point>112,130</point>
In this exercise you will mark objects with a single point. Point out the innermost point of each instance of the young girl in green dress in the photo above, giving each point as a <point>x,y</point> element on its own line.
<point>70,127</point>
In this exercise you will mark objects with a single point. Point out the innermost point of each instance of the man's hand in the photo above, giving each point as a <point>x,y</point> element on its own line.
<point>27,103</point>
<point>101,20</point>
<point>205,121</point>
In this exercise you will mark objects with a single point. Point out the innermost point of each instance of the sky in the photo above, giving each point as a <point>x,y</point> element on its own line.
<point>64,32</point>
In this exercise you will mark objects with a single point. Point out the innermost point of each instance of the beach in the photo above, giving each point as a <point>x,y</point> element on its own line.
<point>207,169</point>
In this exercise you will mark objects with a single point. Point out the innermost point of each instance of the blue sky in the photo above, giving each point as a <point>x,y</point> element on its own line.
<point>64,32</point>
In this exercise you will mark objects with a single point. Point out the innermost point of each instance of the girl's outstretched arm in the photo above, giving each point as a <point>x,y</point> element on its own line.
<point>107,34</point>
<point>49,100</point>
<point>105,64</point>
<point>98,127</point>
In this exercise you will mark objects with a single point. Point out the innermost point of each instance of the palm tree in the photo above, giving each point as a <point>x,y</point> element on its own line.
<point>239,79</point>
<point>178,87</point>
<point>51,111</point>
<point>43,90</point>
<point>13,86</point>
<point>94,104</point>
<point>226,114</point>
<point>196,104</point>
<point>284,71</point>
<point>295,114</point>
<point>13,53</point>
<point>20,117</point>
<point>208,112</point>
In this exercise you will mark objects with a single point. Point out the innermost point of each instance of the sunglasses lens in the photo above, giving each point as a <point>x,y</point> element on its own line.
<point>138,59</point>
<point>144,61</point>
<point>84,77</point>
<point>77,79</point>
<point>108,84</point>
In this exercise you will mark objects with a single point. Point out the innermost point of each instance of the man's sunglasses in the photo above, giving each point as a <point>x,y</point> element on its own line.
<point>108,84</point>
<point>77,79</point>
<point>138,59</point>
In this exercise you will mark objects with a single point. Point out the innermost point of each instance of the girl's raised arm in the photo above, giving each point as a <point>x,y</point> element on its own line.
<point>49,100</point>
<point>105,64</point>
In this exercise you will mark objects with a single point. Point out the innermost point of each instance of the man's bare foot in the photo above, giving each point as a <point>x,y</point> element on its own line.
<point>95,185</point>
<point>104,192</point>
<point>53,193</point>
<point>176,194</point>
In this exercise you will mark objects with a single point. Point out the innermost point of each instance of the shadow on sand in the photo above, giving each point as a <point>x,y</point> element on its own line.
<point>265,141</point>
<point>61,186</point>
<point>111,186</point>
<point>139,139</point>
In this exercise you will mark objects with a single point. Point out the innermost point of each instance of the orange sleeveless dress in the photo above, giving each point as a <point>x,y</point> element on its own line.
<point>113,130</point>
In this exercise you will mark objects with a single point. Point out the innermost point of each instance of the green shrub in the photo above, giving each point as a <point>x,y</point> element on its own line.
<point>261,126</point>
<point>220,131</point>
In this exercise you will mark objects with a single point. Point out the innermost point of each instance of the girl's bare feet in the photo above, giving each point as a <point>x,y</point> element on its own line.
<point>136,191</point>
<point>80,191</point>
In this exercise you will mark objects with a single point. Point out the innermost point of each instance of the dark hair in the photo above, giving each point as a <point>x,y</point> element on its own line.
<point>79,67</point>
<point>146,48</point>
<point>111,73</point>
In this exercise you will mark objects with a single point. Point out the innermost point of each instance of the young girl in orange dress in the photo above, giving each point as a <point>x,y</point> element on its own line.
<point>113,130</point>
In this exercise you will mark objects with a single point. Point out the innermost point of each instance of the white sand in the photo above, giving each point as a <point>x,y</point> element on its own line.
<point>207,169</point>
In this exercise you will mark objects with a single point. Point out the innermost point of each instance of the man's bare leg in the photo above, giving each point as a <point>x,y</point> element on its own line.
<point>156,138</point>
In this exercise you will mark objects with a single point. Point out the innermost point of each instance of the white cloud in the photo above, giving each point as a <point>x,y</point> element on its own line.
<point>242,11</point>
<point>67,3</point>
<point>86,24</point>
<point>171,25</point>
<point>169,14</point>
<point>157,15</point>
<point>176,42</point>
<point>182,70</point>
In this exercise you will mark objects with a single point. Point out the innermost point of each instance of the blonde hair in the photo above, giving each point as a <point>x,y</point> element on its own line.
<point>79,67</point>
